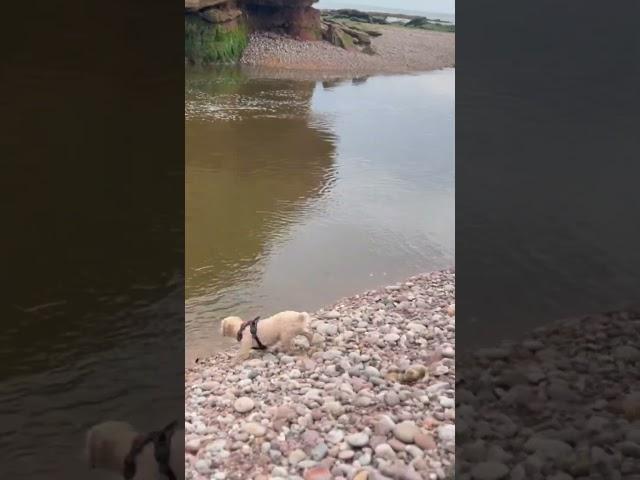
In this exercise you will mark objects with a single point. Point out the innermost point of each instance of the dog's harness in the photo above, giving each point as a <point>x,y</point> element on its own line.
<point>161,450</point>
<point>253,328</point>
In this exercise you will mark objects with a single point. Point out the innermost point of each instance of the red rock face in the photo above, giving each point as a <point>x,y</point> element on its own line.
<point>296,18</point>
<point>282,3</point>
<point>225,14</point>
<point>305,24</point>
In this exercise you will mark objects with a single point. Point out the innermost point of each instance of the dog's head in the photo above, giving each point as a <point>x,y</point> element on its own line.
<point>101,442</point>
<point>230,326</point>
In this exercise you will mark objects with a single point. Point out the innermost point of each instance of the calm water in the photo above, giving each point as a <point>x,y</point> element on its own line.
<point>299,192</point>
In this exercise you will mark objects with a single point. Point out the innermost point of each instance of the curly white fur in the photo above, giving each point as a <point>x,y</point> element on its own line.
<point>281,328</point>
<point>108,443</point>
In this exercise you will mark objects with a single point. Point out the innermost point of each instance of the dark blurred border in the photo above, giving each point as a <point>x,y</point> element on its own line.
<point>92,209</point>
<point>546,163</point>
<point>547,211</point>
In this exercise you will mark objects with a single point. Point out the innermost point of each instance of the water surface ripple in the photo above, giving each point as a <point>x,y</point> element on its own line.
<point>299,192</point>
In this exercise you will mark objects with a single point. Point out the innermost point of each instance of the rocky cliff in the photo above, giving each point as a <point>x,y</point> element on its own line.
<point>296,18</point>
<point>219,13</point>
<point>217,30</point>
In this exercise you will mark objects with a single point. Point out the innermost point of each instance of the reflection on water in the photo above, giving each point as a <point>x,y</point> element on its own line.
<point>300,192</point>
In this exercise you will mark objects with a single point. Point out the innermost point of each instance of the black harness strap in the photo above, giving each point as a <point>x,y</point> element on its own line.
<point>253,328</point>
<point>161,451</point>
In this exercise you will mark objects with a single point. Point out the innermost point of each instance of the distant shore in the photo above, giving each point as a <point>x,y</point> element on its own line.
<point>398,50</point>
<point>439,18</point>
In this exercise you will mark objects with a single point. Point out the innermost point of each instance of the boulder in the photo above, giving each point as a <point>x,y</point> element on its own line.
<point>359,37</point>
<point>304,24</point>
<point>280,3</point>
<point>197,5</point>
<point>417,22</point>
<point>379,20</point>
<point>355,15</point>
<point>216,15</point>
<point>339,38</point>
<point>368,31</point>
<point>296,18</point>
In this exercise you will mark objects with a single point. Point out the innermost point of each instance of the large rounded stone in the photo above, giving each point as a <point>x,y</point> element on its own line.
<point>243,405</point>
<point>214,15</point>
<point>385,452</point>
<point>447,433</point>
<point>319,452</point>
<point>317,473</point>
<point>358,440</point>
<point>424,441</point>
<point>384,425</point>
<point>406,431</point>
<point>296,456</point>
<point>255,429</point>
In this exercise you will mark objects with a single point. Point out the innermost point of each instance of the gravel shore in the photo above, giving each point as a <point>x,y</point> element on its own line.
<point>371,398</point>
<point>399,50</point>
<point>562,403</point>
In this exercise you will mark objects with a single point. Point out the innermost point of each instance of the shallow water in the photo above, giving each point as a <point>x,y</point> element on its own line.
<point>299,193</point>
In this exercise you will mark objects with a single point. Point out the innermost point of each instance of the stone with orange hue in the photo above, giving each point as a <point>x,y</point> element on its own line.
<point>430,423</point>
<point>425,441</point>
<point>362,475</point>
<point>317,473</point>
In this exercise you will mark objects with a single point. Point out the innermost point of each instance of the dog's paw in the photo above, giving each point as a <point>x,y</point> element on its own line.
<point>239,359</point>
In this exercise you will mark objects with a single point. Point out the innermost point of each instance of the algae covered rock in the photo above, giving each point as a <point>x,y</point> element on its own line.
<point>338,37</point>
<point>206,42</point>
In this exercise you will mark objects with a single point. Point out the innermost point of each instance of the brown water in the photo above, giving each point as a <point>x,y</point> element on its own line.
<point>299,193</point>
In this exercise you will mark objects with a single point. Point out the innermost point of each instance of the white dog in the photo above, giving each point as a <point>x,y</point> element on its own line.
<point>113,446</point>
<point>282,327</point>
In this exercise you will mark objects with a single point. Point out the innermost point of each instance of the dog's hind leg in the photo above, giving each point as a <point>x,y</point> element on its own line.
<point>286,342</point>
<point>308,335</point>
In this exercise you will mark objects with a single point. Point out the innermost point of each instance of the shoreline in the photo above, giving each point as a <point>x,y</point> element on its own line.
<point>338,76</point>
<point>399,50</point>
<point>195,354</point>
<point>337,408</point>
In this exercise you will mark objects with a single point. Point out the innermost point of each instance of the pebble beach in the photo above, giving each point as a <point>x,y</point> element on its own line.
<point>398,50</point>
<point>371,398</point>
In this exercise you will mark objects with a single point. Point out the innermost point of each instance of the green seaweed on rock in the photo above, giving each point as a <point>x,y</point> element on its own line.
<point>205,43</point>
